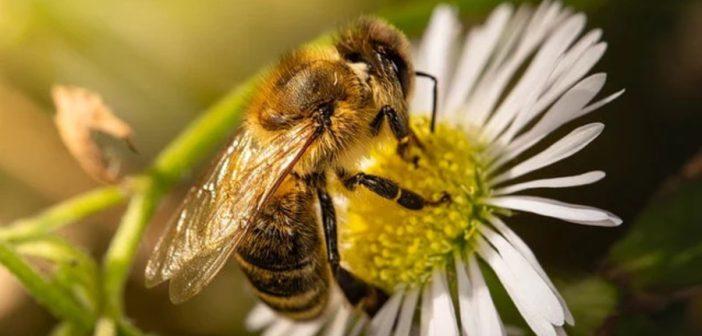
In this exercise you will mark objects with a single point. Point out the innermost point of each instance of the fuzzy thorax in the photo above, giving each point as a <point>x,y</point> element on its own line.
<point>389,246</point>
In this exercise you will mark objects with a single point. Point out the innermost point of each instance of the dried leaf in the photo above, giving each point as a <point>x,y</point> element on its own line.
<point>79,112</point>
<point>693,168</point>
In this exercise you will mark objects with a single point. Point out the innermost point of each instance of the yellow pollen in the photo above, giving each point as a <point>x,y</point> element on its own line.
<point>388,245</point>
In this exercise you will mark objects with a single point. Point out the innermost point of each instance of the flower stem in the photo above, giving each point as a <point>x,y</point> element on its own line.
<point>120,255</point>
<point>64,213</point>
<point>58,302</point>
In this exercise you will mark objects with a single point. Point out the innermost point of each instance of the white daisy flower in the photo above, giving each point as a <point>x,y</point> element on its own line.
<point>502,89</point>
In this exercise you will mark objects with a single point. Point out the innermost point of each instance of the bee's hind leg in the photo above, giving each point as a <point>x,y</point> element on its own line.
<point>357,292</point>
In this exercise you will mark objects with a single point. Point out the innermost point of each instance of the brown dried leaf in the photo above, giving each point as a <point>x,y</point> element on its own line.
<point>79,112</point>
<point>693,168</point>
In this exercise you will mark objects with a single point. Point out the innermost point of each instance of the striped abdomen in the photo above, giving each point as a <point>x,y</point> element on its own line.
<point>284,257</point>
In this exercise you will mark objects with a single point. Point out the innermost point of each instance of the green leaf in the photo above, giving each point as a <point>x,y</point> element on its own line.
<point>49,295</point>
<point>663,250</point>
<point>591,300</point>
<point>670,321</point>
<point>74,271</point>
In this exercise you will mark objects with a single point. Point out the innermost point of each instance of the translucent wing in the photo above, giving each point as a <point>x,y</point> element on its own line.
<point>215,215</point>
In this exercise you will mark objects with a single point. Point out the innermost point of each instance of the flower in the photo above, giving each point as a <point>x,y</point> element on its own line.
<point>515,80</point>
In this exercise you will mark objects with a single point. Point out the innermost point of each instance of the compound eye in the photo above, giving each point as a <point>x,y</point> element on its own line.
<point>400,68</point>
<point>395,67</point>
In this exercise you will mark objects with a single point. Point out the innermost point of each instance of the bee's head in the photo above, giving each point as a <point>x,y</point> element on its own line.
<point>381,50</point>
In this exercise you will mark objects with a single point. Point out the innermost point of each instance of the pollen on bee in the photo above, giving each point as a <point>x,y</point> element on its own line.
<point>388,245</point>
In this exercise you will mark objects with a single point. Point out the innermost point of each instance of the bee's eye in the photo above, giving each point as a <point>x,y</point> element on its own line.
<point>398,66</point>
<point>395,68</point>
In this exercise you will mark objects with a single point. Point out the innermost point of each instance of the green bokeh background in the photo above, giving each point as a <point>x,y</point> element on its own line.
<point>159,62</point>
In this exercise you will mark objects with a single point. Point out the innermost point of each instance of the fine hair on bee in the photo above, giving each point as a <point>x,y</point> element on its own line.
<point>312,118</point>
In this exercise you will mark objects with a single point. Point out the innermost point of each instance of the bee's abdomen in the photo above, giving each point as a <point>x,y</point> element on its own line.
<point>284,258</point>
<point>298,289</point>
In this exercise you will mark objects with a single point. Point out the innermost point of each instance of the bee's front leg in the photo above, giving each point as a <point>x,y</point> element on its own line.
<point>400,129</point>
<point>356,291</point>
<point>389,189</point>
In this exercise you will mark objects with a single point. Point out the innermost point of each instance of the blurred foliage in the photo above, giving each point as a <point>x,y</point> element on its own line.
<point>671,321</point>
<point>662,250</point>
<point>591,300</point>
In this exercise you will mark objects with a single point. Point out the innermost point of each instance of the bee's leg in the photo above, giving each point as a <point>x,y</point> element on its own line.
<point>357,292</point>
<point>329,223</point>
<point>400,129</point>
<point>391,190</point>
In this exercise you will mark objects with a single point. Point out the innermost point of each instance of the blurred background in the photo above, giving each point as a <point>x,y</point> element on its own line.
<point>158,63</point>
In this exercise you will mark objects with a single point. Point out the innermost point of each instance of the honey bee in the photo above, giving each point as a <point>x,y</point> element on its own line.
<point>314,115</point>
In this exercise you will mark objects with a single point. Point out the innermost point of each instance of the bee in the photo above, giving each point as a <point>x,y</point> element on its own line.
<point>314,116</point>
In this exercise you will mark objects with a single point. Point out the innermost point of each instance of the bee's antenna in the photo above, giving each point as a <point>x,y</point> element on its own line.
<point>432,125</point>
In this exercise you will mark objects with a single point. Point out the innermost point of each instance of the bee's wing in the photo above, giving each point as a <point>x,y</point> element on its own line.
<point>215,215</point>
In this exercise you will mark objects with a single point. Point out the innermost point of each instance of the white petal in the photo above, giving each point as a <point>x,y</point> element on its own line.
<point>535,79</point>
<point>339,323</point>
<point>306,328</point>
<point>443,318</point>
<point>488,318</point>
<point>502,66</point>
<point>562,149</point>
<point>570,106</point>
<point>567,108</point>
<point>602,102</point>
<point>495,81</point>
<point>477,49</point>
<point>557,182</point>
<point>259,317</point>
<point>533,287</point>
<point>576,52</point>
<point>426,310</point>
<point>467,305</point>
<point>434,56</point>
<point>563,81</point>
<point>573,213</point>
<point>561,332</point>
<point>524,249</point>
<point>279,328</point>
<point>404,323</point>
<point>509,281</point>
<point>382,323</point>
<point>480,316</point>
<point>573,74</point>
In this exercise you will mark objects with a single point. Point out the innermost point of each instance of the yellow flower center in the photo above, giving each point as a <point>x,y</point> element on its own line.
<point>388,245</point>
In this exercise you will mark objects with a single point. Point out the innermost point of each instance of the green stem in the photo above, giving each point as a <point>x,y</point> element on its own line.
<point>120,255</point>
<point>63,213</point>
<point>65,329</point>
<point>59,303</point>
